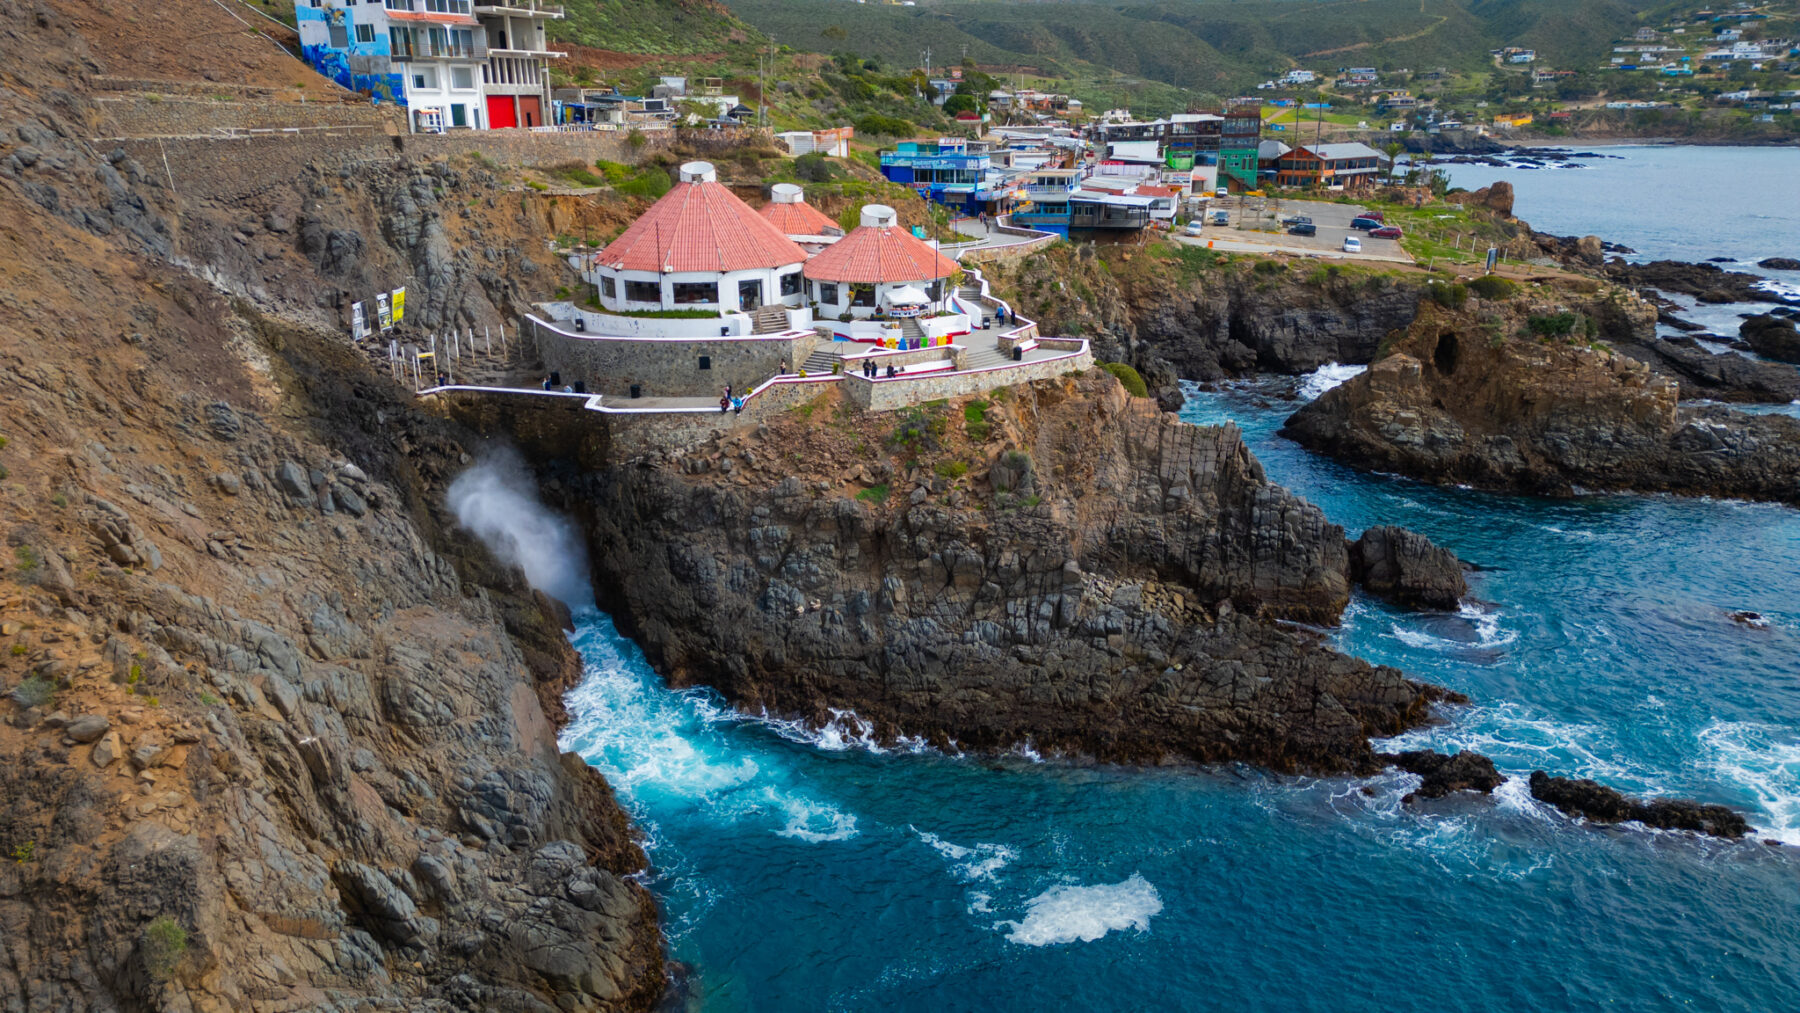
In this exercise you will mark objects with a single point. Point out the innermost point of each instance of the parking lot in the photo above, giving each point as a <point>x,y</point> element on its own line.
<point>1248,214</point>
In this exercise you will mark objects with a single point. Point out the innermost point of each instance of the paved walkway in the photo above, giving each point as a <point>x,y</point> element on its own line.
<point>990,237</point>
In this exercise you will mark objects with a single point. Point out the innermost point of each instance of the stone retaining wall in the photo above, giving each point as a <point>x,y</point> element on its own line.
<point>145,115</point>
<point>883,395</point>
<point>666,367</point>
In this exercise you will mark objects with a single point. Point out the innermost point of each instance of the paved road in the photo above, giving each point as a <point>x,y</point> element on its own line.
<point>1332,220</point>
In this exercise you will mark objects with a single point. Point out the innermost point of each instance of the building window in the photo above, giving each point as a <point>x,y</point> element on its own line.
<point>706,362</point>
<point>400,42</point>
<point>862,295</point>
<point>365,33</point>
<point>425,77</point>
<point>462,78</point>
<point>828,293</point>
<point>643,291</point>
<point>340,36</point>
<point>688,293</point>
<point>459,115</point>
<point>790,283</point>
<point>609,288</point>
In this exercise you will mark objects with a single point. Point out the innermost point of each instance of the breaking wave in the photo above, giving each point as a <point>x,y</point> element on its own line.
<point>1071,914</point>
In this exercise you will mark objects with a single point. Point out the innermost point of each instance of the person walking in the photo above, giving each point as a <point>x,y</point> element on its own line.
<point>724,403</point>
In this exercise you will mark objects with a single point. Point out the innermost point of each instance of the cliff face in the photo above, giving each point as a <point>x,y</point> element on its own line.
<point>1471,397</point>
<point>273,730</point>
<point>1064,565</point>
<point>1190,314</point>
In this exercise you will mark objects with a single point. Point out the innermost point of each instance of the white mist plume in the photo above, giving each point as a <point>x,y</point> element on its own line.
<point>497,500</point>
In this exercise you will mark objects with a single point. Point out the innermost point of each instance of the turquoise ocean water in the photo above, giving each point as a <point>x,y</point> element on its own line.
<point>808,871</point>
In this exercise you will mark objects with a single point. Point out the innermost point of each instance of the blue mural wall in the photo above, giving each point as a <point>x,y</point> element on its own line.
<point>315,24</point>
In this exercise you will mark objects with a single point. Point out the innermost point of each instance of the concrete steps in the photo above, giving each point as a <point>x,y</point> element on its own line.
<point>820,361</point>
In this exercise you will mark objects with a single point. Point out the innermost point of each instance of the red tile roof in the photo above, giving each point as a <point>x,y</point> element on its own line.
<point>1151,190</point>
<point>873,253</point>
<point>700,226</point>
<point>800,219</point>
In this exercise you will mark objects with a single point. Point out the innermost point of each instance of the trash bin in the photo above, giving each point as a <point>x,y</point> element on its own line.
<point>581,386</point>
<point>581,324</point>
<point>1018,354</point>
<point>636,390</point>
<point>555,378</point>
<point>724,332</point>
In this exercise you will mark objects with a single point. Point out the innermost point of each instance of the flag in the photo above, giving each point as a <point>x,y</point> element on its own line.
<point>382,312</point>
<point>399,304</point>
<point>359,326</point>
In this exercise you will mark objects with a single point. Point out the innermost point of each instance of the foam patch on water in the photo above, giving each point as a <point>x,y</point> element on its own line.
<point>1326,377</point>
<point>1082,914</point>
<point>977,861</point>
<point>816,822</point>
<point>1763,761</point>
<point>1520,739</point>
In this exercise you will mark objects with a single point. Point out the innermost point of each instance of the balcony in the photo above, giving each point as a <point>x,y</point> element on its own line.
<point>520,9</point>
<point>1049,194</point>
<point>424,49</point>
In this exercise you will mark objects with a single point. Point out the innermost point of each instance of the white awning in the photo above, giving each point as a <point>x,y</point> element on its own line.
<point>908,295</point>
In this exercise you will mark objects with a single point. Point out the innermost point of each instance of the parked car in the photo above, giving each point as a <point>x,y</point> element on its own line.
<point>1195,227</point>
<point>1303,229</point>
<point>1297,220</point>
<point>1377,215</point>
<point>1387,232</point>
<point>1365,224</point>
<point>1221,218</point>
<point>1224,192</point>
<point>1352,244</point>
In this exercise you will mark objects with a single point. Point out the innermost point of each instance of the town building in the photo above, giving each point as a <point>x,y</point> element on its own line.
<point>833,141</point>
<point>515,81</point>
<point>699,247</point>
<point>453,64</point>
<point>788,211</point>
<point>943,170</point>
<point>879,268</point>
<point>1240,136</point>
<point>1350,166</point>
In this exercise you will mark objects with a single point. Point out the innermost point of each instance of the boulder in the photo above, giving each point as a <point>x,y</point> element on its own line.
<point>1779,264</point>
<point>1441,774</point>
<point>1408,568</point>
<point>1601,804</point>
<point>1772,337</point>
<point>87,727</point>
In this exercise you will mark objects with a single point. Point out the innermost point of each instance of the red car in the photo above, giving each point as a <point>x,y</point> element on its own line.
<point>1377,215</point>
<point>1387,232</point>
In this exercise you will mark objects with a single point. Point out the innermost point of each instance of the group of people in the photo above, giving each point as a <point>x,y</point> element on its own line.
<point>554,382</point>
<point>729,402</point>
<point>871,370</point>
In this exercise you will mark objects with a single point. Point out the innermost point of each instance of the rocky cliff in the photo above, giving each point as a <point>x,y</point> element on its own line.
<point>276,735</point>
<point>1062,565</point>
<point>1526,396</point>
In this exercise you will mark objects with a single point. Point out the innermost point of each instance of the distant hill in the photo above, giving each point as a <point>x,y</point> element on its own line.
<point>668,27</point>
<point>1210,46</point>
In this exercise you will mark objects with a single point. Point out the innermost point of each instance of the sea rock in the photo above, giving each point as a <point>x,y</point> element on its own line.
<point>1442,774</point>
<point>1717,376</point>
<point>1772,337</point>
<point>1705,282</point>
<point>1465,399</point>
<point>1779,263</point>
<point>1601,804</point>
<point>1497,198</point>
<point>1128,614</point>
<point>1408,568</point>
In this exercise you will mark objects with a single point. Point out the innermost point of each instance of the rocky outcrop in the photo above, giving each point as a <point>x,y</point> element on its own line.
<point>1779,264</point>
<point>1473,398</point>
<point>1442,774</point>
<point>1083,573</point>
<point>1601,804</point>
<point>1206,318</point>
<point>1708,283</point>
<point>1408,568</point>
<point>1497,198</point>
<point>1772,337</point>
<point>1717,376</point>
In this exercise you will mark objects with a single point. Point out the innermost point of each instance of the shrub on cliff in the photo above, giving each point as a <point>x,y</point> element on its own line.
<point>1448,294</point>
<point>1134,384</point>
<point>163,944</point>
<point>1493,287</point>
<point>1552,325</point>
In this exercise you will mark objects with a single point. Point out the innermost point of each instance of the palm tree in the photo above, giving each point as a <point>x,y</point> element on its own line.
<point>1392,149</point>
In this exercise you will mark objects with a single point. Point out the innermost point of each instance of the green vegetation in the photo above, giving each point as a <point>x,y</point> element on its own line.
<point>876,494</point>
<point>1450,294</point>
<point>577,174</point>
<point>1134,384</point>
<point>163,944</point>
<point>1553,325</point>
<point>1493,287</point>
<point>975,421</point>
<point>26,558</point>
<point>666,314</point>
<point>919,428</point>
<point>19,650</point>
<point>1194,261</point>
<point>951,469</point>
<point>35,691</point>
<point>651,26</point>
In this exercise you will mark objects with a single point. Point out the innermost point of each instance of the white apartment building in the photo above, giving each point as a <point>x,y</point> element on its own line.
<point>515,82</point>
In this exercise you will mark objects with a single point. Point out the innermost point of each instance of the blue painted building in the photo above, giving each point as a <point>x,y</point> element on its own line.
<point>349,49</point>
<point>943,171</point>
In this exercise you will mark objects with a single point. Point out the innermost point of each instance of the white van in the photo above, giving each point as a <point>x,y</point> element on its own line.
<point>1352,244</point>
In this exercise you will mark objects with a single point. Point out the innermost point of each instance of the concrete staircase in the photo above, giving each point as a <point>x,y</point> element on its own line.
<point>769,320</point>
<point>983,358</point>
<point>911,331</point>
<point>820,361</point>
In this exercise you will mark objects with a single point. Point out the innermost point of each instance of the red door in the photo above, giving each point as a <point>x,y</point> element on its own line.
<point>501,113</point>
<point>531,110</point>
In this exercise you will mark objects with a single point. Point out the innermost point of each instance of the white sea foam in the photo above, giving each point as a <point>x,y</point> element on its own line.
<point>977,861</point>
<point>1765,762</point>
<point>497,500</point>
<point>980,903</point>
<point>1069,914</point>
<point>816,822</point>
<point>1326,377</point>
